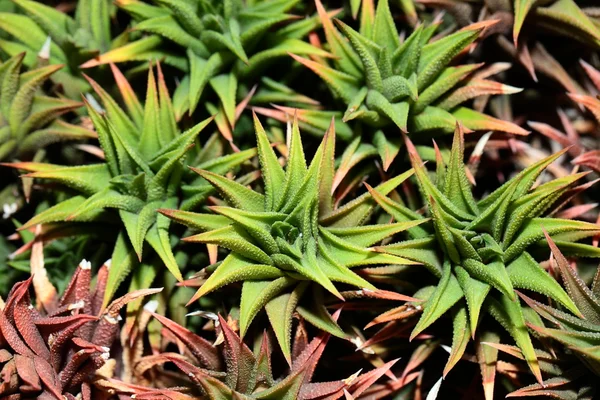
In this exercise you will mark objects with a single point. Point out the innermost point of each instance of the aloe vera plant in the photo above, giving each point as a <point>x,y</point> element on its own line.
<point>143,171</point>
<point>482,250</point>
<point>29,119</point>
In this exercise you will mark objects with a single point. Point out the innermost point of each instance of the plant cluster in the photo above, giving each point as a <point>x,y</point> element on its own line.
<point>287,199</point>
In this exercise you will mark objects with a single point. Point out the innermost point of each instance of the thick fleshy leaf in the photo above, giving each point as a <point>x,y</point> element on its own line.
<point>509,314</point>
<point>236,194</point>
<point>233,269</point>
<point>525,273</point>
<point>255,295</point>
<point>460,338</point>
<point>475,293</point>
<point>533,231</point>
<point>438,54</point>
<point>272,173</point>
<point>280,311</point>
<point>446,294</point>
<point>493,273</point>
<point>584,298</point>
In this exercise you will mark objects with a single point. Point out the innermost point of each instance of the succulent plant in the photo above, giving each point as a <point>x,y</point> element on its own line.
<point>55,349</point>
<point>144,171</point>
<point>249,374</point>
<point>579,334</point>
<point>289,237</point>
<point>476,246</point>
<point>29,120</point>
<point>294,246</point>
<point>221,44</point>
<point>50,35</point>
<point>410,85</point>
<point>560,17</point>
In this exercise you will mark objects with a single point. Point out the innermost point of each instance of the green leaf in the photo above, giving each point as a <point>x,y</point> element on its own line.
<point>201,72</point>
<point>423,250</point>
<point>477,121</point>
<point>310,269</point>
<point>584,298</point>
<point>493,273</point>
<point>368,235</point>
<point>432,119</point>
<point>566,17</point>
<point>368,52</point>
<point>457,187</point>
<point>475,294</point>
<point>396,112</point>
<point>234,239</point>
<point>432,193</point>
<point>158,238</point>
<point>346,58</point>
<point>22,101</point>
<point>284,305</point>
<point>149,141</point>
<point>535,203</point>
<point>273,175</point>
<point>52,21</point>
<point>449,77</point>
<point>388,149</point>
<point>257,224</point>
<point>237,195</point>
<point>11,77</point>
<point>532,232</point>
<point>317,315</point>
<point>26,31</point>
<point>326,171</point>
<point>235,268</point>
<point>122,261</point>
<point>406,58</point>
<point>384,29</point>
<point>137,224</point>
<point>343,85</point>
<point>525,273</point>
<point>396,88</point>
<point>508,313</point>
<point>201,222</point>
<point>140,50</point>
<point>255,295</point>
<point>522,8</point>
<point>225,85</point>
<point>108,198</point>
<point>460,338</point>
<point>87,179</point>
<point>167,26</point>
<point>446,294</point>
<point>185,14</point>
<point>443,232</point>
<point>59,212</point>
<point>436,56</point>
